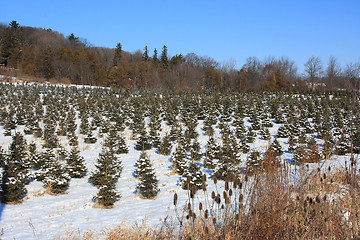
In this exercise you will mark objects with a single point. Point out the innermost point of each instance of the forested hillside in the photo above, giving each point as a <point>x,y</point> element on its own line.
<point>49,55</point>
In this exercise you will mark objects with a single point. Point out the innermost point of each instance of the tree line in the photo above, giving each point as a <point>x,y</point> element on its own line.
<point>47,54</point>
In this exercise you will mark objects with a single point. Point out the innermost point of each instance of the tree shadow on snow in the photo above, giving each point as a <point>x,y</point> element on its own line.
<point>2,207</point>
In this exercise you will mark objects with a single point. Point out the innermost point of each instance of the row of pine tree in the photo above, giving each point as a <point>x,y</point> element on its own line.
<point>169,122</point>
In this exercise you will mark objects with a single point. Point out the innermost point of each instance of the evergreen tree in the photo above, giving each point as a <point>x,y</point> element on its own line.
<point>192,176</point>
<point>143,142</point>
<point>276,148</point>
<point>164,58</point>
<point>35,158</point>
<point>165,145</point>
<point>55,177</point>
<point>75,164</point>
<point>148,187</point>
<point>155,57</point>
<point>179,158</point>
<point>107,194</point>
<point>15,174</point>
<point>146,54</point>
<point>264,133</point>
<point>107,166</point>
<point>175,131</point>
<point>108,171</point>
<point>116,142</point>
<point>212,153</point>
<point>117,55</point>
<point>50,137</point>
<point>254,161</point>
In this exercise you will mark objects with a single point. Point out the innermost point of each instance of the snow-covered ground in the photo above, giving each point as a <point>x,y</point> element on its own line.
<point>43,216</point>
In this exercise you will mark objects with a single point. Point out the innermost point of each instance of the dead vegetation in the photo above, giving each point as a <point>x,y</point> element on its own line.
<point>274,203</point>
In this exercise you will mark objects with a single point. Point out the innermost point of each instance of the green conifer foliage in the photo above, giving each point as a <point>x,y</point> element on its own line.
<point>15,174</point>
<point>165,145</point>
<point>143,142</point>
<point>75,164</point>
<point>107,195</point>
<point>107,165</point>
<point>254,161</point>
<point>212,153</point>
<point>192,176</point>
<point>148,187</point>
<point>108,171</point>
<point>179,158</point>
<point>116,142</point>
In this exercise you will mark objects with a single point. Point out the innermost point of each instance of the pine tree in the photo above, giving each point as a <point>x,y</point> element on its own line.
<point>107,194</point>
<point>117,55</point>
<point>75,164</point>
<point>251,135</point>
<point>56,179</point>
<point>164,58</point>
<point>148,187</point>
<point>108,171</point>
<point>192,176</point>
<point>276,148</point>
<point>254,162</point>
<point>107,166</point>
<point>15,174</point>
<point>141,164</point>
<point>143,142</point>
<point>264,133</point>
<point>179,158</point>
<point>35,159</point>
<point>165,145</point>
<point>146,54</point>
<point>116,142</point>
<point>212,153</point>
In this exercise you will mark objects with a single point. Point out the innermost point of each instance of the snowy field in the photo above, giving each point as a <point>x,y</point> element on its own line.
<point>44,216</point>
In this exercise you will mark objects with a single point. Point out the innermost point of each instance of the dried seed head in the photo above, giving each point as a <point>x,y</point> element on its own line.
<point>215,180</point>
<point>194,215</point>
<point>324,176</point>
<point>241,197</point>
<point>310,200</point>
<point>218,200</point>
<point>329,168</point>
<point>187,217</point>
<point>189,206</point>
<point>200,206</point>
<point>230,192</point>
<point>224,195</point>
<point>204,178</point>
<point>214,221</point>
<point>175,198</point>
<point>206,214</point>
<point>203,186</point>
<point>222,206</point>
<point>213,195</point>
<point>317,199</point>
<point>236,182</point>
<point>227,201</point>
<point>324,198</point>
<point>240,185</point>
<point>227,186</point>
<point>246,178</point>
<point>206,230</point>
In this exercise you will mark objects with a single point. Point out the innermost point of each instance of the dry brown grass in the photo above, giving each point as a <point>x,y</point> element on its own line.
<point>323,204</point>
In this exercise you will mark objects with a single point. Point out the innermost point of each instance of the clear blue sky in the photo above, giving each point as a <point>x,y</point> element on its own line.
<point>219,29</point>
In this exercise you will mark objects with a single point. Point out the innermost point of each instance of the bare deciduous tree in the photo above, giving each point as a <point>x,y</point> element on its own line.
<point>313,69</point>
<point>333,72</point>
